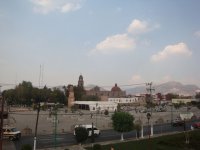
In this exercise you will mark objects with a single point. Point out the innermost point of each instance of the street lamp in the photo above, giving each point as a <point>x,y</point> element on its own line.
<point>148,117</point>
<point>171,113</point>
<point>1,117</point>
<point>96,113</point>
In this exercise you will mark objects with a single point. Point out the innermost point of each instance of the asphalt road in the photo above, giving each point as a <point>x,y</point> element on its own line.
<point>47,141</point>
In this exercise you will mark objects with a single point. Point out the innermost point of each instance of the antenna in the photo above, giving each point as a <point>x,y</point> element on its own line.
<point>42,75</point>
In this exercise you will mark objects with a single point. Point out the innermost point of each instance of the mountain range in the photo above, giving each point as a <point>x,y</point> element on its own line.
<point>168,87</point>
<point>164,88</point>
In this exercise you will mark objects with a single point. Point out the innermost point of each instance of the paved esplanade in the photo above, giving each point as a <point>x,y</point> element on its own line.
<point>66,121</point>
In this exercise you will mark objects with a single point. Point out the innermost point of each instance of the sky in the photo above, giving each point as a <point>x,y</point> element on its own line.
<point>106,41</point>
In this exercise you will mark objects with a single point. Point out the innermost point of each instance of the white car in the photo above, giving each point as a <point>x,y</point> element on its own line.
<point>89,129</point>
<point>12,133</point>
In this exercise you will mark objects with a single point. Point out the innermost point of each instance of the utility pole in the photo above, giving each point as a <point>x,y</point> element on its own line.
<point>35,137</point>
<point>2,110</point>
<point>38,111</point>
<point>55,126</point>
<point>150,89</point>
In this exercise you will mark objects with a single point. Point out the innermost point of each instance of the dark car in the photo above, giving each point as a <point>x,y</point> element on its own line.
<point>177,122</point>
<point>196,125</point>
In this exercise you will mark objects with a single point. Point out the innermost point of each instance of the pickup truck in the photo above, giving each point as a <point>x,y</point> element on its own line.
<point>12,133</point>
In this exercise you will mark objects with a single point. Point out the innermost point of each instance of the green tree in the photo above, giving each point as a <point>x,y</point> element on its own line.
<point>26,147</point>
<point>97,147</point>
<point>170,96</point>
<point>10,96</point>
<point>197,96</point>
<point>58,96</point>
<point>24,93</point>
<point>178,105</point>
<point>122,122</point>
<point>138,126</point>
<point>36,95</point>
<point>78,93</point>
<point>81,134</point>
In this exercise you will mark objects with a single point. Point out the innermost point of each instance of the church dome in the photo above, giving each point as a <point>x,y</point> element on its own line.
<point>116,88</point>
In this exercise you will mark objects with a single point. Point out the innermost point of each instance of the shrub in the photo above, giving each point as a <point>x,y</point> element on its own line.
<point>106,112</point>
<point>97,147</point>
<point>81,134</point>
<point>26,147</point>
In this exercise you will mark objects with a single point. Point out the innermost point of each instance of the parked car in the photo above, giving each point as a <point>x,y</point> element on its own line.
<point>196,125</point>
<point>88,127</point>
<point>12,133</point>
<point>177,122</point>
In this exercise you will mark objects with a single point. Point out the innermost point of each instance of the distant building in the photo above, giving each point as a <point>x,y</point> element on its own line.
<point>71,97</point>
<point>108,99</point>
<point>80,81</point>
<point>115,92</point>
<point>96,105</point>
<point>136,100</point>
<point>185,101</point>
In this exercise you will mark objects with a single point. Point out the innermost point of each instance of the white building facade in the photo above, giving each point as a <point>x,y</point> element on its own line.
<point>96,105</point>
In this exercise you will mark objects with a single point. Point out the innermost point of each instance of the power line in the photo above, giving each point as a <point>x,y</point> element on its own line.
<point>123,85</point>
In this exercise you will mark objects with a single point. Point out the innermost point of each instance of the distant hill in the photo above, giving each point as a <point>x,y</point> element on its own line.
<point>168,87</point>
<point>90,86</point>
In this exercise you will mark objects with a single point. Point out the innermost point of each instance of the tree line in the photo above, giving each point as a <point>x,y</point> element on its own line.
<point>26,94</point>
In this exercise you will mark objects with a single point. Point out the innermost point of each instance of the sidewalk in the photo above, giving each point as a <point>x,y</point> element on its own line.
<point>77,147</point>
<point>74,147</point>
<point>8,145</point>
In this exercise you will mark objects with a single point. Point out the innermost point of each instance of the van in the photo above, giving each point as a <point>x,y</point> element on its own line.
<point>89,129</point>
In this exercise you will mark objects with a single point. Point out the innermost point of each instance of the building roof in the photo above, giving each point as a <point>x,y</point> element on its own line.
<point>116,88</point>
<point>95,103</point>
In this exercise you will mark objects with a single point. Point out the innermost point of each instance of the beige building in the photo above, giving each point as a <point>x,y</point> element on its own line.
<point>71,97</point>
<point>185,101</point>
<point>115,92</point>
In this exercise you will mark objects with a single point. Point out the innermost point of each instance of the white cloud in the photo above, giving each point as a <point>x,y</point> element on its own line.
<point>115,43</point>
<point>47,6</point>
<point>123,42</point>
<point>139,27</point>
<point>136,78</point>
<point>197,33</point>
<point>70,7</point>
<point>177,49</point>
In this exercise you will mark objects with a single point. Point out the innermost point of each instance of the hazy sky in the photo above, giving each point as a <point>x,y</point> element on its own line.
<point>107,41</point>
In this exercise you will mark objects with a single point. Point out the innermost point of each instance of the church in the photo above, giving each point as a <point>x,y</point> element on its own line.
<point>109,100</point>
<point>103,95</point>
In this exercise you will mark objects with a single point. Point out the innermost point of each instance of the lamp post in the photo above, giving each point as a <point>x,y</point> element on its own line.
<point>171,113</point>
<point>96,113</point>
<point>1,125</point>
<point>148,117</point>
